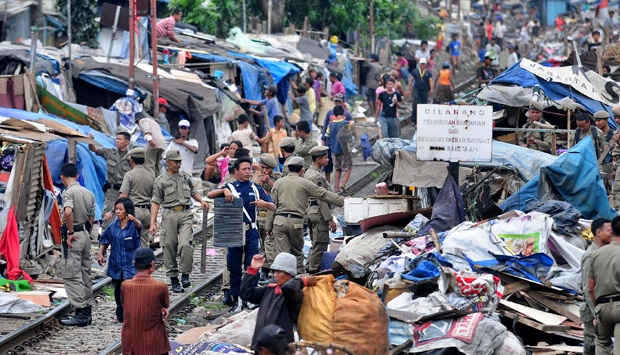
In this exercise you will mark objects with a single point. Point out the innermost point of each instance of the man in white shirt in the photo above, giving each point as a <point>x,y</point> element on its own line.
<point>246,135</point>
<point>493,51</point>
<point>186,146</point>
<point>512,58</point>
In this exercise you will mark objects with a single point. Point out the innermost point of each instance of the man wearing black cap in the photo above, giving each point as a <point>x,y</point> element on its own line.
<point>145,304</point>
<point>486,72</point>
<point>271,104</point>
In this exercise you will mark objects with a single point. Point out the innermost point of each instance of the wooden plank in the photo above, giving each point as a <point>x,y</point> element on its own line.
<point>553,306</point>
<point>402,347</point>
<point>533,324</point>
<point>539,316</point>
<point>515,287</point>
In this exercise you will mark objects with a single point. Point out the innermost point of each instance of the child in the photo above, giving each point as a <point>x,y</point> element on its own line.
<point>455,51</point>
<point>342,154</point>
<point>245,135</point>
<point>445,84</point>
<point>305,114</point>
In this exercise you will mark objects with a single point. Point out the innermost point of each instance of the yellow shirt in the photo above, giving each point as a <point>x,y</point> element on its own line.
<point>312,99</point>
<point>276,137</point>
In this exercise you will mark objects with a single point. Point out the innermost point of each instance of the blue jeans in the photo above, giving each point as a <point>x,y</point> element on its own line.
<point>404,72</point>
<point>389,127</point>
<point>237,260</point>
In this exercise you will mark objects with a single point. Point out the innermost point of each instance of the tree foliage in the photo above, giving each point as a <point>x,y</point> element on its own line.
<point>215,17</point>
<point>84,27</point>
<point>341,16</point>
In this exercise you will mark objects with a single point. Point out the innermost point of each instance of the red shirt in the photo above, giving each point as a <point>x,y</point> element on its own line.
<point>143,328</point>
<point>559,23</point>
<point>490,31</point>
<point>165,27</point>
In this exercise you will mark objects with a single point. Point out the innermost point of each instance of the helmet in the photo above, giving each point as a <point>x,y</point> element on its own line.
<point>285,262</point>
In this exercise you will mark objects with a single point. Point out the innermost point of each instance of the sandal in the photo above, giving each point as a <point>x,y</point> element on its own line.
<point>115,321</point>
<point>343,189</point>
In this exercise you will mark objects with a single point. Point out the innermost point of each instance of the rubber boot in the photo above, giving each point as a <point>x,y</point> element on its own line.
<point>79,320</point>
<point>176,286</point>
<point>185,281</point>
<point>88,314</point>
<point>228,300</point>
<point>235,304</point>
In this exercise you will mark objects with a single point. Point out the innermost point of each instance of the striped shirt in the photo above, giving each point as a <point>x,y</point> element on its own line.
<point>165,27</point>
<point>143,332</point>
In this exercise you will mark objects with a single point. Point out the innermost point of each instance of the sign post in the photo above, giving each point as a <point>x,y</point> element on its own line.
<point>455,133</point>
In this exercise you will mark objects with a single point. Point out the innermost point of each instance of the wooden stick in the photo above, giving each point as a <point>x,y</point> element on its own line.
<point>398,246</point>
<point>273,143</point>
<point>435,240</point>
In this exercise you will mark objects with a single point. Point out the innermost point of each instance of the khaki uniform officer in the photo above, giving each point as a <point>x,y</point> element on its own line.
<point>287,148</point>
<point>266,180</point>
<point>319,216</point>
<point>138,186</point>
<point>604,290</point>
<point>304,142</point>
<point>78,208</point>
<point>174,190</point>
<point>541,141</point>
<point>117,166</point>
<point>601,229</point>
<point>290,194</point>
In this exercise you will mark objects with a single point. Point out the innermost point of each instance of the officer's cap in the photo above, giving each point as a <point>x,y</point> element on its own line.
<point>269,160</point>
<point>616,110</point>
<point>536,105</point>
<point>298,161</point>
<point>287,142</point>
<point>319,150</point>
<point>174,155</point>
<point>136,153</point>
<point>601,115</point>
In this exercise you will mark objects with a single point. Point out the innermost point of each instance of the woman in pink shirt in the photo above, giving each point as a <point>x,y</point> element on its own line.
<point>337,86</point>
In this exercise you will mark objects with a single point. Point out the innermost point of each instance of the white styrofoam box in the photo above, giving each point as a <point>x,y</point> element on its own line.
<point>357,209</point>
<point>354,210</point>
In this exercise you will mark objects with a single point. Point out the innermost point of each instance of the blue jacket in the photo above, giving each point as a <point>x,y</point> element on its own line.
<point>124,243</point>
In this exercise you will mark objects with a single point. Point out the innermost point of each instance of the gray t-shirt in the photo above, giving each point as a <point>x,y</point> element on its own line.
<point>304,109</point>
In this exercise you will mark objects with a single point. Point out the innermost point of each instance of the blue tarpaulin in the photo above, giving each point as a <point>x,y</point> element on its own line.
<point>250,75</point>
<point>347,79</point>
<point>516,75</point>
<point>575,176</point>
<point>92,168</point>
<point>278,69</point>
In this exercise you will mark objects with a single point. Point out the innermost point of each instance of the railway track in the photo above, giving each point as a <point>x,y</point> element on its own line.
<point>44,335</point>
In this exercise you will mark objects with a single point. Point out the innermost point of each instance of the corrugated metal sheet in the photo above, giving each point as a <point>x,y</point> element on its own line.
<point>27,191</point>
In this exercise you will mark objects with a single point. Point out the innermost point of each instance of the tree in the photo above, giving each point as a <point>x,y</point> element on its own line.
<point>277,14</point>
<point>215,17</point>
<point>84,27</point>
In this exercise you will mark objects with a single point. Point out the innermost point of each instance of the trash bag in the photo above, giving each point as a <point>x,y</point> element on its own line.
<point>565,216</point>
<point>326,318</point>
<point>448,210</point>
